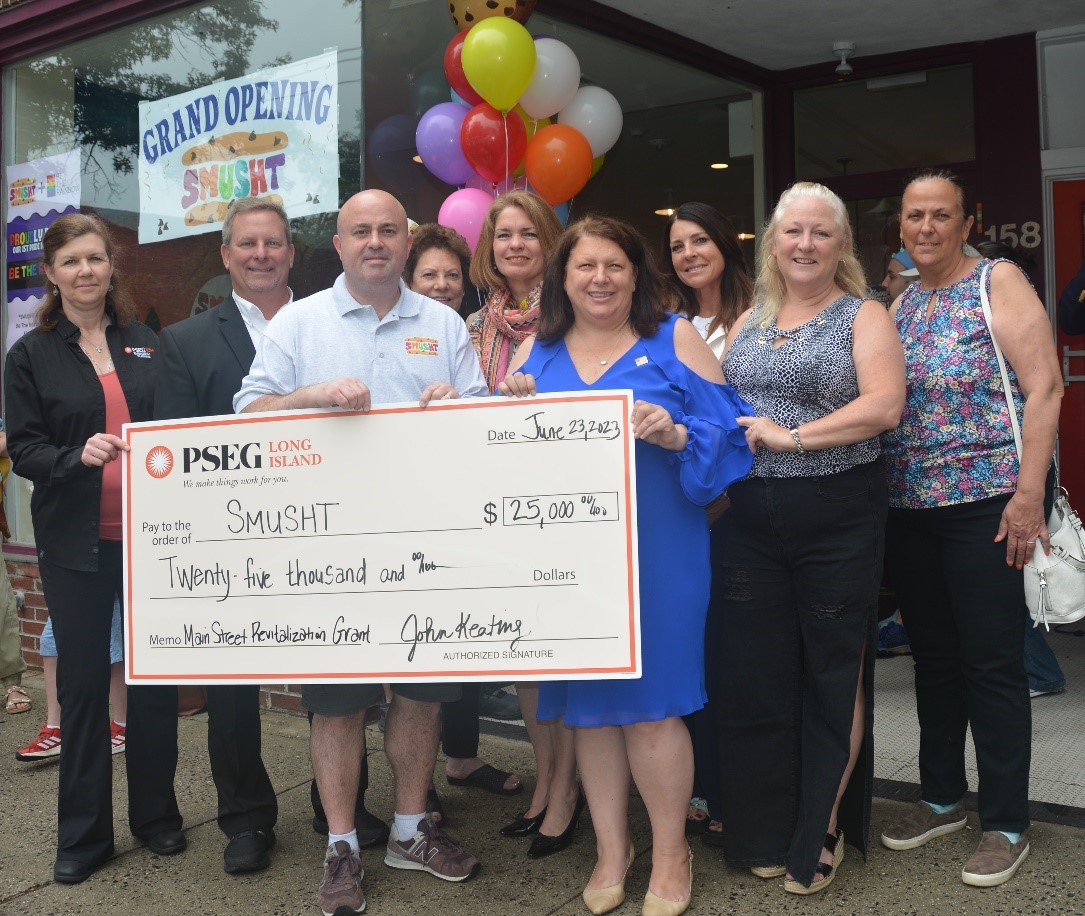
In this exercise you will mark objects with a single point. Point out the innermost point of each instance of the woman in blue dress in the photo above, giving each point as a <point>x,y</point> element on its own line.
<point>603,326</point>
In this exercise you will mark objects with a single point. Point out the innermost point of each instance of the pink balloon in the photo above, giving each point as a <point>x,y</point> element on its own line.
<point>465,211</point>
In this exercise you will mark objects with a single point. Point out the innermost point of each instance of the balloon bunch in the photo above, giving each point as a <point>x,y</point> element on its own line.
<point>518,118</point>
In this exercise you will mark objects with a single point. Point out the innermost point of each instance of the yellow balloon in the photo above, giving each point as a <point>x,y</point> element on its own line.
<point>499,60</point>
<point>597,164</point>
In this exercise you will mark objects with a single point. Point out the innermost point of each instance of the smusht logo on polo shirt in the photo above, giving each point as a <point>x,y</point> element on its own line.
<point>421,346</point>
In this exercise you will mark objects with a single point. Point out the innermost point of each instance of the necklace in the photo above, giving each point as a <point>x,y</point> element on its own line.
<point>603,361</point>
<point>101,369</point>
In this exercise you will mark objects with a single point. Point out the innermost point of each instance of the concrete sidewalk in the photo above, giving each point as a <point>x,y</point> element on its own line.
<point>924,881</point>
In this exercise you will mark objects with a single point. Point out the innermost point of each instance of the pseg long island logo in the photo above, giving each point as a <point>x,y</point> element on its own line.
<point>233,456</point>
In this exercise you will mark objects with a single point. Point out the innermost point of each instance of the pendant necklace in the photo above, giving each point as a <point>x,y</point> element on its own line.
<point>603,361</point>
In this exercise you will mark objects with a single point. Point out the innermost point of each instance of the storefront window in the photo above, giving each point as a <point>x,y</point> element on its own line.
<point>81,104</point>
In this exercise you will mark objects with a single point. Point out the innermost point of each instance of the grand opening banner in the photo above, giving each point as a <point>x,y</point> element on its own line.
<point>270,134</point>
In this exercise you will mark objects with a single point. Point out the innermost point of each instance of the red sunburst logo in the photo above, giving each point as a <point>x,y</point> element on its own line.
<point>159,462</point>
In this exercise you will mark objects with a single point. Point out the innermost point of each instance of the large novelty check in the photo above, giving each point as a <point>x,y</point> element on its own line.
<point>471,540</point>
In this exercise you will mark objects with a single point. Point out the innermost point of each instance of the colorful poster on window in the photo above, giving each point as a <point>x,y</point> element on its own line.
<point>38,192</point>
<point>270,134</point>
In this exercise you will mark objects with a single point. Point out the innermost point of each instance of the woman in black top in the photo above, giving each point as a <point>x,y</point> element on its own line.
<point>87,368</point>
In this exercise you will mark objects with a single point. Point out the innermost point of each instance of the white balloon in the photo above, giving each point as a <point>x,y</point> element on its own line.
<point>597,115</point>
<point>555,81</point>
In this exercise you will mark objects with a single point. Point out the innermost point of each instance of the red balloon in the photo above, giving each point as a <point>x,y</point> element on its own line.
<point>494,145</point>
<point>454,70</point>
<point>558,163</point>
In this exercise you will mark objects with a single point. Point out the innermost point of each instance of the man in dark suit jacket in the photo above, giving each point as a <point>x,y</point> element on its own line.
<point>202,363</point>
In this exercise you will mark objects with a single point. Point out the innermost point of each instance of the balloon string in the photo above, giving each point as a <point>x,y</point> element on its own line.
<point>505,124</point>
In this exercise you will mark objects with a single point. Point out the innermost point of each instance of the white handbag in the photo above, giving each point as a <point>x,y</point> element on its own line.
<point>1055,582</point>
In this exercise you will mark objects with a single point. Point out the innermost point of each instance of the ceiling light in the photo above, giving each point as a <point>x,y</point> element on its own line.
<point>746,236</point>
<point>842,50</point>
<point>665,211</point>
<point>416,158</point>
<point>719,165</point>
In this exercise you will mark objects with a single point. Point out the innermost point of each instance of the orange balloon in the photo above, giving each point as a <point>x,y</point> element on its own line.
<point>465,13</point>
<point>558,162</point>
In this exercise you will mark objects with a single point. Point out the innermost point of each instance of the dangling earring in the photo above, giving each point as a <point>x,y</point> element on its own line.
<point>56,290</point>
<point>110,288</point>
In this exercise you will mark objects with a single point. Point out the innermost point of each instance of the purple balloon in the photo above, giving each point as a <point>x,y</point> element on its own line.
<point>465,211</point>
<point>437,140</point>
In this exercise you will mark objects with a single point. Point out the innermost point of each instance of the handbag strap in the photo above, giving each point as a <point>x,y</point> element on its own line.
<point>986,305</point>
<point>1011,407</point>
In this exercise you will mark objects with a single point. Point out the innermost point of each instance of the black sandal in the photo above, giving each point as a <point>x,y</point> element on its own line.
<point>835,846</point>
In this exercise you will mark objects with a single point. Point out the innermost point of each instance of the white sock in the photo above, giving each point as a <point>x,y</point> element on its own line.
<point>406,825</point>
<point>349,838</point>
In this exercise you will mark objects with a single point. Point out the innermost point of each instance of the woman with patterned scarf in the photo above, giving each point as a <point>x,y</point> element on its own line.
<point>518,236</point>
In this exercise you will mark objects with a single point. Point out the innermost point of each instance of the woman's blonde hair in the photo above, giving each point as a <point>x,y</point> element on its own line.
<point>770,288</point>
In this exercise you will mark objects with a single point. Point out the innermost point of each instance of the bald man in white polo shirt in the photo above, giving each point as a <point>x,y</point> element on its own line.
<point>370,340</point>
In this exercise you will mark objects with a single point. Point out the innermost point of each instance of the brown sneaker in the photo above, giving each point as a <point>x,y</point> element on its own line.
<point>921,824</point>
<point>432,850</point>
<point>995,860</point>
<point>342,884</point>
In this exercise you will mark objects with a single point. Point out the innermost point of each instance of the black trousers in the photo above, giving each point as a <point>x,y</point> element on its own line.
<point>81,606</point>
<point>702,723</point>
<point>246,798</point>
<point>962,606</point>
<point>459,723</point>
<point>803,563</point>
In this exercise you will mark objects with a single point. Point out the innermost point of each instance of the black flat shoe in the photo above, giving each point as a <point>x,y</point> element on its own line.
<point>524,825</point>
<point>72,871</point>
<point>248,851</point>
<point>167,842</point>
<point>544,845</point>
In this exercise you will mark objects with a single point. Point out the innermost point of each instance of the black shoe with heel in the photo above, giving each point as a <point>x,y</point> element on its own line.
<point>524,825</point>
<point>544,845</point>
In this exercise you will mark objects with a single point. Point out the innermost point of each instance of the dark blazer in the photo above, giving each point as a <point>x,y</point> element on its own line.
<point>202,361</point>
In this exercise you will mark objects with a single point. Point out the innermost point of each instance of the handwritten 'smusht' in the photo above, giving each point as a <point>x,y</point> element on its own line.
<point>470,540</point>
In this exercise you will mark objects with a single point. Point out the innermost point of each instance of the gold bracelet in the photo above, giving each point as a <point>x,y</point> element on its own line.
<point>798,442</point>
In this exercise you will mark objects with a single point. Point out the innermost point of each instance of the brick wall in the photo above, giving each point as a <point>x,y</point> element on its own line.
<point>25,578</point>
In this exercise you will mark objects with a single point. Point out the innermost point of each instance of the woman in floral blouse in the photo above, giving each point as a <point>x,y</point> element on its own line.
<point>965,515</point>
